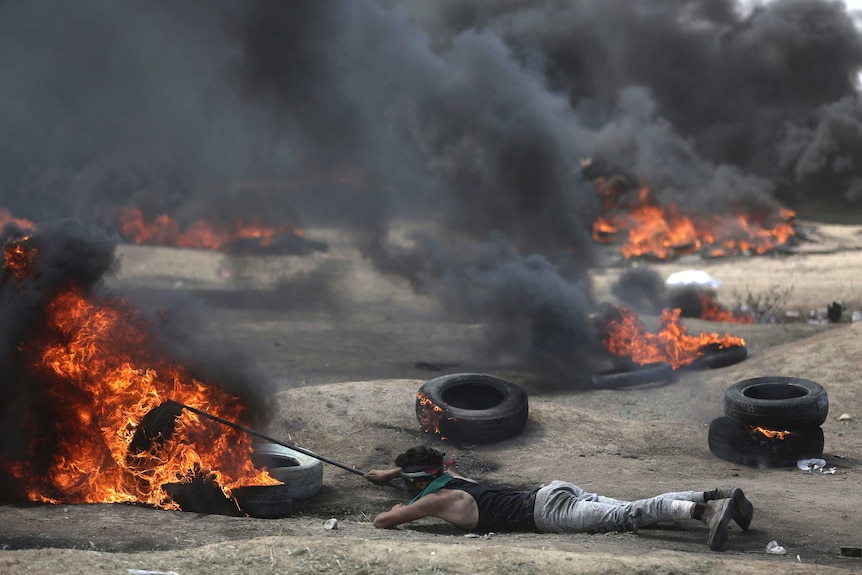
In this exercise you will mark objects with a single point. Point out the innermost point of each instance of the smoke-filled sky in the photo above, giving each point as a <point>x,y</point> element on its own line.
<point>473,113</point>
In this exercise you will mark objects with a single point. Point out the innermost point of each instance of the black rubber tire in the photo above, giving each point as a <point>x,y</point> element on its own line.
<point>301,474</point>
<point>777,403</point>
<point>264,501</point>
<point>477,408</point>
<point>732,441</point>
<point>716,357</point>
<point>201,497</point>
<point>640,375</point>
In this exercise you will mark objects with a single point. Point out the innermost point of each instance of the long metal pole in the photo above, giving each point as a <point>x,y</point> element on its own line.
<point>267,438</point>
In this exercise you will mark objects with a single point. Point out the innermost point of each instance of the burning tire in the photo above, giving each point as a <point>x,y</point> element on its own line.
<point>777,403</point>
<point>738,443</point>
<point>716,357</point>
<point>201,497</point>
<point>473,408</point>
<point>636,375</point>
<point>264,501</point>
<point>301,474</point>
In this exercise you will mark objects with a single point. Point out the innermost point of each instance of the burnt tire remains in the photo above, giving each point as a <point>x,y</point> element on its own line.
<point>264,501</point>
<point>715,357</point>
<point>628,373</point>
<point>739,443</point>
<point>201,496</point>
<point>777,403</point>
<point>633,376</point>
<point>474,407</point>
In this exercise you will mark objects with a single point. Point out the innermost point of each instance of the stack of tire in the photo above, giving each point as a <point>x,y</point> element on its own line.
<point>301,477</point>
<point>790,409</point>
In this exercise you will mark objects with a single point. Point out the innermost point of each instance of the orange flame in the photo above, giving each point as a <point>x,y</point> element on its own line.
<point>17,259</point>
<point>7,218</point>
<point>714,311</point>
<point>103,381</point>
<point>627,337</point>
<point>165,231</point>
<point>664,233</point>
<point>430,414</point>
<point>770,433</point>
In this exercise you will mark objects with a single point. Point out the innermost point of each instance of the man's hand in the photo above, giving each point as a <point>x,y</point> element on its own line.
<point>382,476</point>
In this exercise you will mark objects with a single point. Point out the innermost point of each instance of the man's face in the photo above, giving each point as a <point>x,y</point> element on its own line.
<point>415,486</point>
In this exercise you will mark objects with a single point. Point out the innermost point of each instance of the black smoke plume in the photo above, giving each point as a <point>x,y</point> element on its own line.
<point>469,116</point>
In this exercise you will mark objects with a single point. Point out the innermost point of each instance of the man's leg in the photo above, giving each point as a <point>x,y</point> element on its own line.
<point>693,496</point>
<point>564,507</point>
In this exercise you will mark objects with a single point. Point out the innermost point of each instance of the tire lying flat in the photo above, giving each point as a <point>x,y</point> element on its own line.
<point>201,497</point>
<point>301,474</point>
<point>715,357</point>
<point>264,501</point>
<point>777,403</point>
<point>636,375</point>
<point>476,407</point>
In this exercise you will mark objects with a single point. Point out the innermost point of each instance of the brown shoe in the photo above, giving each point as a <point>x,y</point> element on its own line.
<point>717,515</point>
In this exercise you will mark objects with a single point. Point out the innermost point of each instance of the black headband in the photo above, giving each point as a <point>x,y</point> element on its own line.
<point>414,472</point>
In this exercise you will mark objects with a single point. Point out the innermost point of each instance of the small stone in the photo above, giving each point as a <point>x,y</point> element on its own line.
<point>331,523</point>
<point>851,551</point>
<point>845,417</point>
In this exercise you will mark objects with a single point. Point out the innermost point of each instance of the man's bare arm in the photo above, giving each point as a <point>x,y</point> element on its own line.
<point>454,506</point>
<point>401,513</point>
<point>381,476</point>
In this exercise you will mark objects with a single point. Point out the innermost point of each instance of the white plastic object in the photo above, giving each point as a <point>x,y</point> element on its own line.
<point>692,277</point>
<point>810,464</point>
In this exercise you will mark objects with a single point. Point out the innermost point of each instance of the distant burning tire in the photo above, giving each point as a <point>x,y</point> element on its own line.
<point>301,474</point>
<point>715,357</point>
<point>638,375</point>
<point>473,408</point>
<point>732,441</point>
<point>777,403</point>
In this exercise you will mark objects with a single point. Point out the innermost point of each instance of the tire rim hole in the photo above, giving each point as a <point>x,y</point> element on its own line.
<point>261,461</point>
<point>774,392</point>
<point>472,396</point>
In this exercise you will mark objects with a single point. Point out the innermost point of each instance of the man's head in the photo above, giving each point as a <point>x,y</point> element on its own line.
<point>420,465</point>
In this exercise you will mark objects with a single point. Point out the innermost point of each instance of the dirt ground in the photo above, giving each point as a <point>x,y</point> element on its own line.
<point>347,373</point>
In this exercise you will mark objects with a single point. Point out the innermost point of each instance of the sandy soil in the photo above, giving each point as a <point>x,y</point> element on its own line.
<point>347,374</point>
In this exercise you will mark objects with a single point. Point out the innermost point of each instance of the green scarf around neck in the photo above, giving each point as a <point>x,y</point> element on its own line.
<point>435,485</point>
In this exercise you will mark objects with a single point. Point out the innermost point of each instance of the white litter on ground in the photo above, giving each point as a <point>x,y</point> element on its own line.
<point>811,465</point>
<point>692,277</point>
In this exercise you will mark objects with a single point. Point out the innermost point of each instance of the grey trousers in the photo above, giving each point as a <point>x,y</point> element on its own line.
<point>563,507</point>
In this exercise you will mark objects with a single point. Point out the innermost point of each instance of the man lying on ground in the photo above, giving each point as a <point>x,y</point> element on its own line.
<point>559,507</point>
